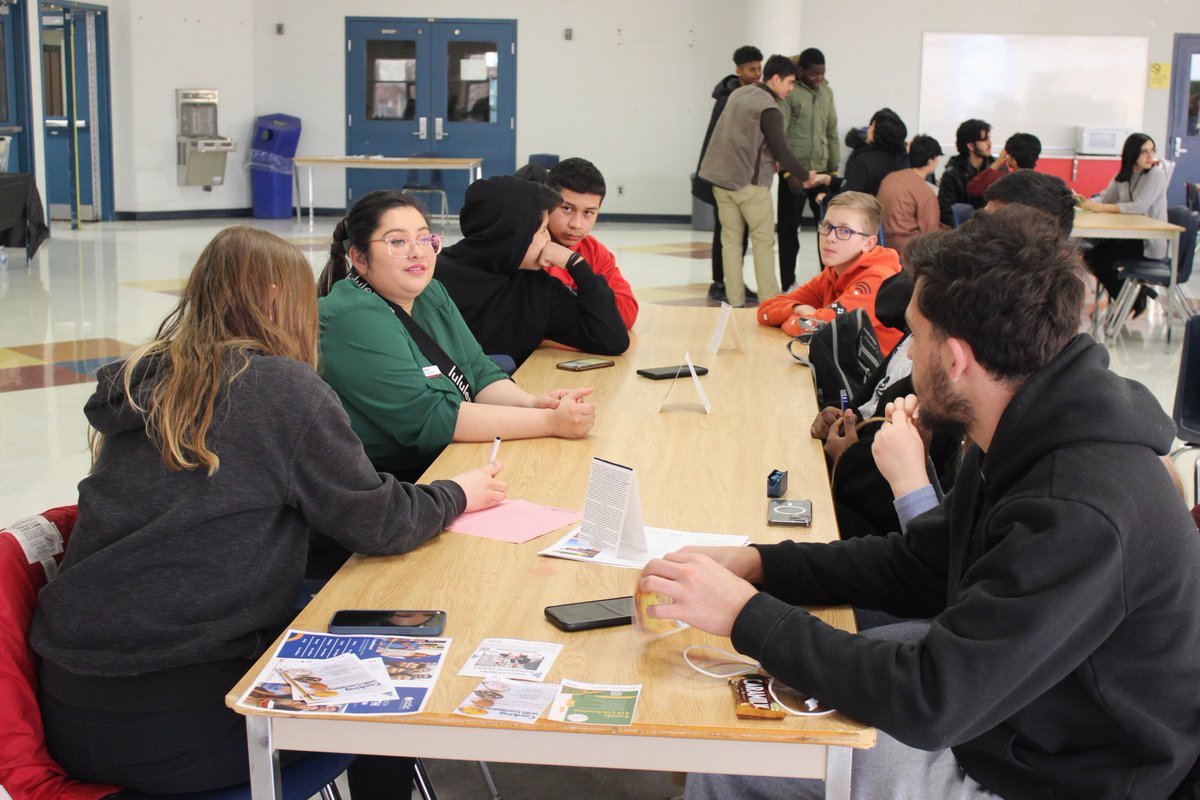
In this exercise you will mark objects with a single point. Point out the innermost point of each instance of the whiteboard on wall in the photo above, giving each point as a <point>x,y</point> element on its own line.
<point>1047,85</point>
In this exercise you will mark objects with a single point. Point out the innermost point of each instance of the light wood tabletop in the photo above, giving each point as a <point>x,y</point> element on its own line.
<point>1107,225</point>
<point>695,472</point>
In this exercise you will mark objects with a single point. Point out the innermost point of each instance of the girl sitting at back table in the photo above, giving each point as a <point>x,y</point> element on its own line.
<point>1140,187</point>
<point>396,350</point>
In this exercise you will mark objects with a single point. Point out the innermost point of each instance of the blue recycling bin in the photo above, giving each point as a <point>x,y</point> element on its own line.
<point>276,137</point>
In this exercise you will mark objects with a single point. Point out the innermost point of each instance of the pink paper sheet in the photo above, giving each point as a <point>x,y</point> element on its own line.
<point>515,521</point>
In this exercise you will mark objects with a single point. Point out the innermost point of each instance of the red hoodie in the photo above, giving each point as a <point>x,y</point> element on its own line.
<point>604,264</point>
<point>831,294</point>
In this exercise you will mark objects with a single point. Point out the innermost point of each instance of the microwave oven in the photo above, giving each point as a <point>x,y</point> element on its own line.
<point>1092,141</point>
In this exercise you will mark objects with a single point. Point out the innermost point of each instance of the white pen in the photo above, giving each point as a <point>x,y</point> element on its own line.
<point>495,451</point>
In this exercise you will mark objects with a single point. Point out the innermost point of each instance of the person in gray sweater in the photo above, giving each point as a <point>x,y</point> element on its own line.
<point>1140,187</point>
<point>219,450</point>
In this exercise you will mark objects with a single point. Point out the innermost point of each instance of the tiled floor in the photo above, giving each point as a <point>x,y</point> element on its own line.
<point>92,295</point>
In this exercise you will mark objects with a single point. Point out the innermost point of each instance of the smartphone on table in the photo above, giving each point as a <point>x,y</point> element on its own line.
<point>584,364</point>
<point>388,622</point>
<point>591,614</point>
<point>666,373</point>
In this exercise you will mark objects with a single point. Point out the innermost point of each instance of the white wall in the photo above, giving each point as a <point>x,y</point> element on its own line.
<point>630,91</point>
<point>156,47</point>
<point>880,65</point>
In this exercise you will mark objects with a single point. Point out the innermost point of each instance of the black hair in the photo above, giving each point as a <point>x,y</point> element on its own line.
<point>578,175</point>
<point>746,54</point>
<point>1006,283</point>
<point>355,229</point>
<point>811,58</point>
<point>548,200</point>
<point>1046,193</point>
<point>968,133</point>
<point>890,131</point>
<point>778,65</point>
<point>1024,148</point>
<point>921,149</point>
<point>1130,154</point>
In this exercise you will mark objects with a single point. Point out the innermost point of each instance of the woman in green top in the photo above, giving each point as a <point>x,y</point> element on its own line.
<point>399,355</point>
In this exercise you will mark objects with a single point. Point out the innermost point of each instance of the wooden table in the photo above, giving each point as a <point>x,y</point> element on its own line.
<point>695,472</point>
<point>1106,225</point>
<point>473,167</point>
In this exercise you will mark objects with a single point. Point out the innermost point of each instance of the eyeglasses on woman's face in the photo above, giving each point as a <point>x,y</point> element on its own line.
<point>398,247</point>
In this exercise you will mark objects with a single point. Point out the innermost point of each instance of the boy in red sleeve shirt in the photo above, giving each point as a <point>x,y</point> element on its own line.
<point>582,188</point>
<point>854,267</point>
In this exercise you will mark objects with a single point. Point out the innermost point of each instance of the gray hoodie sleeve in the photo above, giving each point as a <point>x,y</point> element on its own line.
<point>340,494</point>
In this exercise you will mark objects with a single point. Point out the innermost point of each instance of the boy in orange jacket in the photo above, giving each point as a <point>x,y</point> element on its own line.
<point>854,267</point>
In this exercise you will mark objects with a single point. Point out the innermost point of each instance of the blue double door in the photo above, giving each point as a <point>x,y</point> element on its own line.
<point>75,105</point>
<point>444,88</point>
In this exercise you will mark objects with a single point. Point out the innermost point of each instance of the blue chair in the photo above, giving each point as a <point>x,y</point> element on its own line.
<point>882,240</point>
<point>961,212</point>
<point>433,185</point>
<point>546,160</point>
<point>1139,272</point>
<point>313,774</point>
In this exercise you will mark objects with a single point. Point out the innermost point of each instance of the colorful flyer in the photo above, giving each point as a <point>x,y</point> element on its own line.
<point>512,658</point>
<point>511,701</point>
<point>595,704</point>
<point>406,666</point>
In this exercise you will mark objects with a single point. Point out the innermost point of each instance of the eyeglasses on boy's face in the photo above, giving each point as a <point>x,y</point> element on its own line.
<point>406,248</point>
<point>840,231</point>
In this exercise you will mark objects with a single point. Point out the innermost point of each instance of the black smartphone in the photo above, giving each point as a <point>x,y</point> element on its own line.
<point>666,373</point>
<point>388,622</point>
<point>591,614</point>
<point>583,364</point>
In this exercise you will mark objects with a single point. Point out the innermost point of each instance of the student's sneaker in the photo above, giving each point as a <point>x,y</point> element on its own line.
<point>751,297</point>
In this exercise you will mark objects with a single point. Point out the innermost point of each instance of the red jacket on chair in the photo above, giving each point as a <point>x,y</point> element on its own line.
<point>27,772</point>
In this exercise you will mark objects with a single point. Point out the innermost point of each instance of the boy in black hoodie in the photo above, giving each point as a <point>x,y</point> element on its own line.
<point>496,276</point>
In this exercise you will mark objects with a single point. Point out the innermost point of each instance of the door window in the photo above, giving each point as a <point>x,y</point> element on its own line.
<point>471,81</point>
<point>1193,109</point>
<point>391,79</point>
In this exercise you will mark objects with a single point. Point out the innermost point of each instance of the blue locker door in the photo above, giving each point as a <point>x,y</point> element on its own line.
<point>64,88</point>
<point>387,97</point>
<point>418,88</point>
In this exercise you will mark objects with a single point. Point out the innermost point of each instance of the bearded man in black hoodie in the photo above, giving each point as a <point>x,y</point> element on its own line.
<point>1060,576</point>
<point>496,276</point>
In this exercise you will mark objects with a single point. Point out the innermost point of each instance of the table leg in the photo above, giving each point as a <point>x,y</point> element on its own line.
<point>296,189</point>
<point>1171,288</point>
<point>310,198</point>
<point>838,761</point>
<point>265,783</point>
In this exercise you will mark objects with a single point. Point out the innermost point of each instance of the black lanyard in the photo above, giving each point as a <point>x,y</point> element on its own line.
<point>425,343</point>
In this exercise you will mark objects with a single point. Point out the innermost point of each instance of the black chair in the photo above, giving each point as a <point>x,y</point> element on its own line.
<point>1187,397</point>
<point>434,185</point>
<point>1140,272</point>
<point>1191,195</point>
<point>961,212</point>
